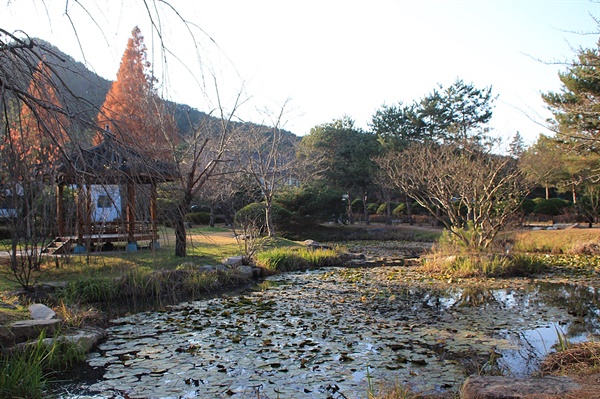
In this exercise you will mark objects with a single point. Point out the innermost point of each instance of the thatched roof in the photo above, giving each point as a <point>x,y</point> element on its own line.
<point>113,162</point>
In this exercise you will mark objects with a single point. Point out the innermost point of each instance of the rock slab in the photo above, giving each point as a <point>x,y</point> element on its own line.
<point>492,387</point>
<point>41,312</point>
<point>30,329</point>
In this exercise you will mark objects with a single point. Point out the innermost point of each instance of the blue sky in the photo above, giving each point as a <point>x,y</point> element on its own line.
<point>332,58</point>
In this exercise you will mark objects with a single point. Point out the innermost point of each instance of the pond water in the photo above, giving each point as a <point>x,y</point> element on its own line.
<point>329,333</point>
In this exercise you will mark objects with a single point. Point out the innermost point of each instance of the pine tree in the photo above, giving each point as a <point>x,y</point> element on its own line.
<point>133,111</point>
<point>516,146</point>
<point>576,108</point>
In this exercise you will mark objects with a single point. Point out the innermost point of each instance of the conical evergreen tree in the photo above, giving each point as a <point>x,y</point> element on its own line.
<point>576,108</point>
<point>132,110</point>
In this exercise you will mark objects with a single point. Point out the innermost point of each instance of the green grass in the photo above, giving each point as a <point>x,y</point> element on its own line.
<point>290,259</point>
<point>24,372</point>
<point>95,277</point>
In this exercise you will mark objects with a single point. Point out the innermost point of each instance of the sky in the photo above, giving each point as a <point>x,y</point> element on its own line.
<point>311,62</point>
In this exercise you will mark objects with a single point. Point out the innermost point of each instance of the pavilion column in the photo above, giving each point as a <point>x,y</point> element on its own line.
<point>80,209</point>
<point>153,206</point>
<point>153,216</point>
<point>80,212</point>
<point>130,214</point>
<point>60,209</point>
<point>88,214</point>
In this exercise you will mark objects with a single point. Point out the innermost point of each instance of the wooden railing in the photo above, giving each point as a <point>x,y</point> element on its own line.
<point>122,228</point>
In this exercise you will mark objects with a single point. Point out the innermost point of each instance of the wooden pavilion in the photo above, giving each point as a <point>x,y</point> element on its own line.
<point>110,163</point>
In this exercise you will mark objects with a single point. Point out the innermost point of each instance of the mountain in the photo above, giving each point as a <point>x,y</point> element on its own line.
<point>85,91</point>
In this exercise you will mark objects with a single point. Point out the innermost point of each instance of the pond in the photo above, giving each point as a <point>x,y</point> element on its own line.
<point>329,333</point>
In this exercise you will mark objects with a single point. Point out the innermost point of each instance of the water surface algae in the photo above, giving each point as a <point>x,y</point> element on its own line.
<point>324,333</point>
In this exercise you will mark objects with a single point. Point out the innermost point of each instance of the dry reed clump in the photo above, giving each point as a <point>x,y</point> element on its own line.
<point>578,358</point>
<point>586,248</point>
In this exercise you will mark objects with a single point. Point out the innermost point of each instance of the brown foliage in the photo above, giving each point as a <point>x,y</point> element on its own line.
<point>132,111</point>
<point>36,138</point>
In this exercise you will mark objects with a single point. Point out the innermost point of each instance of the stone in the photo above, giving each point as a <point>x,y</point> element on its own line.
<point>41,312</point>
<point>7,337</point>
<point>246,271</point>
<point>234,261</point>
<point>187,266</point>
<point>494,387</point>
<point>221,268</point>
<point>5,305</point>
<point>86,338</point>
<point>25,330</point>
<point>313,245</point>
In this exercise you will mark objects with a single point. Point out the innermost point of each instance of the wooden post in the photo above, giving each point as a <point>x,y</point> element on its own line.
<point>153,206</point>
<point>88,215</point>
<point>60,209</point>
<point>79,210</point>
<point>130,210</point>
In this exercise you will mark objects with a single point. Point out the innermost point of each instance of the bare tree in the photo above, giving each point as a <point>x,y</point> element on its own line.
<point>267,156</point>
<point>475,190</point>
<point>196,161</point>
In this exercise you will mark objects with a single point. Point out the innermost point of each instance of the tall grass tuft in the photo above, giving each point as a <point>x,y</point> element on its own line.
<point>24,373</point>
<point>484,265</point>
<point>146,287</point>
<point>291,259</point>
<point>88,291</point>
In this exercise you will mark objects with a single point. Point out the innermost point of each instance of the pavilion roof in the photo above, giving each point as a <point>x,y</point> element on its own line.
<point>113,162</point>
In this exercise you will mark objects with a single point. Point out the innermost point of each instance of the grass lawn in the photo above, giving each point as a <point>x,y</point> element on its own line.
<point>205,246</point>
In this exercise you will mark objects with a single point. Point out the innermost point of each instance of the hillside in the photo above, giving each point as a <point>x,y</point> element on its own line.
<point>82,92</point>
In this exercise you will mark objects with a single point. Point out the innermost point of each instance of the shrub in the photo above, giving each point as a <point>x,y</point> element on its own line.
<point>527,206</point>
<point>399,210</point>
<point>254,215</point>
<point>198,217</point>
<point>312,203</point>
<point>552,206</point>
<point>372,207</point>
<point>382,210</point>
<point>357,206</point>
<point>5,232</point>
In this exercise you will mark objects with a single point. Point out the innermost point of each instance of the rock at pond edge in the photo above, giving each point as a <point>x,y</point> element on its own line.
<point>497,387</point>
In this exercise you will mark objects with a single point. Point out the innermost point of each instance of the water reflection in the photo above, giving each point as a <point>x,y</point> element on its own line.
<point>300,334</point>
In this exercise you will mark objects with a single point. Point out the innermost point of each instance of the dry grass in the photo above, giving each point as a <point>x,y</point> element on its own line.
<point>569,241</point>
<point>577,358</point>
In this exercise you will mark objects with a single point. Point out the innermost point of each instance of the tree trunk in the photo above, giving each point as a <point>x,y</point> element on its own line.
<point>366,209</point>
<point>269,219</point>
<point>180,233</point>
<point>180,237</point>
<point>409,212</point>
<point>350,214</point>
<point>212,216</point>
